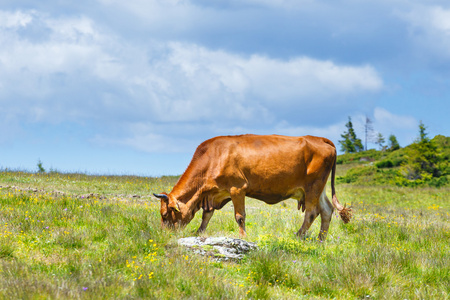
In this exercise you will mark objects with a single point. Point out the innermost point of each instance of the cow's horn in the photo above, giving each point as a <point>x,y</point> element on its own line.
<point>161,196</point>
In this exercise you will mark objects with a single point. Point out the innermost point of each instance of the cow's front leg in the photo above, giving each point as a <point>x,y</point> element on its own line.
<point>238,199</point>
<point>206,216</point>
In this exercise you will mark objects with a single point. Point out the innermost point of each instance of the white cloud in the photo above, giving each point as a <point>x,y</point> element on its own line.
<point>388,120</point>
<point>440,19</point>
<point>304,77</point>
<point>241,87</point>
<point>78,72</point>
<point>72,45</point>
<point>14,20</point>
<point>39,76</point>
<point>429,18</point>
<point>429,29</point>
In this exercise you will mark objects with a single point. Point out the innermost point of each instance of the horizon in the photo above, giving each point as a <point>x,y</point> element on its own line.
<point>124,174</point>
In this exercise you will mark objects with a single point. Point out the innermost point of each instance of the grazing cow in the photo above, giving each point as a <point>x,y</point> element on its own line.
<point>269,168</point>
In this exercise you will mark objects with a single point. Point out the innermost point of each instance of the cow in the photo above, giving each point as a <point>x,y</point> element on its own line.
<point>270,168</point>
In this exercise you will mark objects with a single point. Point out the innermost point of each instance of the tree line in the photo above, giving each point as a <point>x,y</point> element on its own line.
<point>350,143</point>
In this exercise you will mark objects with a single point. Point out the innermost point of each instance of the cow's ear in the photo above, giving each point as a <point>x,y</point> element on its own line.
<point>174,205</point>
<point>162,196</point>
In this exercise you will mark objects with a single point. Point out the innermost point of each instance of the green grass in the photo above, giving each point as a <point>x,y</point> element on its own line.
<point>111,245</point>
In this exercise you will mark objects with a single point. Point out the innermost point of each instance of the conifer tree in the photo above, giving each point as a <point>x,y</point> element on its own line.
<point>422,157</point>
<point>350,142</point>
<point>380,141</point>
<point>393,143</point>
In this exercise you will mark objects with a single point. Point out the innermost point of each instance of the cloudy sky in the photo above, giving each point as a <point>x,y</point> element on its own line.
<point>132,87</point>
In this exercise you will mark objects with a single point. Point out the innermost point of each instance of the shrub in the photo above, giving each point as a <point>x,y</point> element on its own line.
<point>387,163</point>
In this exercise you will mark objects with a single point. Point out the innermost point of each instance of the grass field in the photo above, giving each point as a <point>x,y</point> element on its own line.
<point>74,236</point>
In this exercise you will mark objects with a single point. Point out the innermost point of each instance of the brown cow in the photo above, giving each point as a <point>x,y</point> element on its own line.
<point>270,168</point>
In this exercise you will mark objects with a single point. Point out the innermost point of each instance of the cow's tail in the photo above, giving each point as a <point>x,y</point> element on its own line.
<point>344,212</point>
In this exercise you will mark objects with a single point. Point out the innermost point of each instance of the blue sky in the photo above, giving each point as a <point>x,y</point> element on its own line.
<point>132,87</point>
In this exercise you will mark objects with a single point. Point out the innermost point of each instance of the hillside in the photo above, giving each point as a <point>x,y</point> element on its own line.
<point>374,167</point>
<point>76,236</point>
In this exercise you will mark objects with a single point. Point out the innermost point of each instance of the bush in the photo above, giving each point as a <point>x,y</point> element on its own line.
<point>387,163</point>
<point>397,162</point>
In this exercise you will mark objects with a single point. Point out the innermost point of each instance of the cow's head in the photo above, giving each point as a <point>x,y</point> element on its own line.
<point>173,213</point>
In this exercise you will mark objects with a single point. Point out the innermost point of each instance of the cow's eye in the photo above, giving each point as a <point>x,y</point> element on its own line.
<point>165,215</point>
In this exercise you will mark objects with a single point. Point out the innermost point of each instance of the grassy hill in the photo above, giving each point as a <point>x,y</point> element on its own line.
<point>75,236</point>
<point>374,167</point>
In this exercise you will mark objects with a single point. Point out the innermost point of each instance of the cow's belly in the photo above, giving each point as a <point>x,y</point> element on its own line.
<point>271,197</point>
<point>268,198</point>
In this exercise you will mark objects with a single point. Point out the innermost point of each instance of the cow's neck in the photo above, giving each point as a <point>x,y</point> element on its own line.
<point>187,189</point>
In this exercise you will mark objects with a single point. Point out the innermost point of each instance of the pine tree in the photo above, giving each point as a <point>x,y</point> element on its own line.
<point>393,143</point>
<point>422,157</point>
<point>380,140</point>
<point>350,142</point>
<point>423,135</point>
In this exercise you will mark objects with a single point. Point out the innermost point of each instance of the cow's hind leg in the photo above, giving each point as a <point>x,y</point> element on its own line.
<point>310,215</point>
<point>326,212</point>
<point>312,208</point>
<point>206,216</point>
<point>238,199</point>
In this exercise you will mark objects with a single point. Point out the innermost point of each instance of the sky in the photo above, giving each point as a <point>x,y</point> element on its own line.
<point>133,87</point>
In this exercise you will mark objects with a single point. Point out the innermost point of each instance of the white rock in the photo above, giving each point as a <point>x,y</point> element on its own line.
<point>221,248</point>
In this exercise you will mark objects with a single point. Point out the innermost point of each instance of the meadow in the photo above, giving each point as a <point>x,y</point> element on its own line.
<point>76,236</point>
